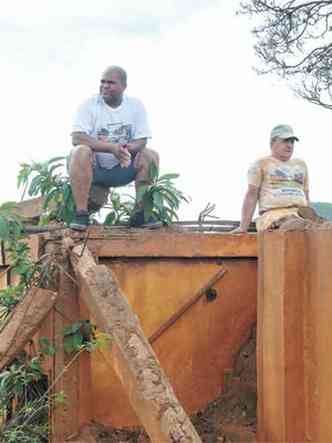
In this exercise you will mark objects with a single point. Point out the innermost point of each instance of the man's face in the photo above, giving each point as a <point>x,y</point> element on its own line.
<point>283,149</point>
<point>111,87</point>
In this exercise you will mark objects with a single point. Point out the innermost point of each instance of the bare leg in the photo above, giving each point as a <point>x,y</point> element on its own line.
<point>142,163</point>
<point>80,172</point>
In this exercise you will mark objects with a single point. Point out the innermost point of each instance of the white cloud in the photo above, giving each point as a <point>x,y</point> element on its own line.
<point>189,62</point>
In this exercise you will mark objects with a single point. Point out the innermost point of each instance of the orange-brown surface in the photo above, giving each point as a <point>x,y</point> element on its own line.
<point>159,272</point>
<point>294,337</point>
<point>199,347</point>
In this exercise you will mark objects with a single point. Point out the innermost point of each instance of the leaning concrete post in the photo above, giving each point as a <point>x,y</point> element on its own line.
<point>24,323</point>
<point>137,366</point>
<point>294,336</point>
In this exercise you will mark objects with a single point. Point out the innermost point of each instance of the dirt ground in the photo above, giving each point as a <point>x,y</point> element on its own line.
<point>230,418</point>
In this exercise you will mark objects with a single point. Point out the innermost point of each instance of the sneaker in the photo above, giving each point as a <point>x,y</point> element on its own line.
<point>137,221</point>
<point>80,222</point>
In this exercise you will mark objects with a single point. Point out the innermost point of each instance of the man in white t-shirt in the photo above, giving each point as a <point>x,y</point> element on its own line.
<point>110,134</point>
<point>280,185</point>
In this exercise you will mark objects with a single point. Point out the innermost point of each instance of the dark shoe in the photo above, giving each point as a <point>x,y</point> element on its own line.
<point>80,222</point>
<point>137,221</point>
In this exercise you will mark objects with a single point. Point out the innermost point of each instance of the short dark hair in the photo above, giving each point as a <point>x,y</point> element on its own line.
<point>122,73</point>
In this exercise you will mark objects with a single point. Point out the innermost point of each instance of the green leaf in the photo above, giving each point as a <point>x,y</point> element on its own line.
<point>4,229</point>
<point>170,176</point>
<point>158,200</point>
<point>110,218</point>
<point>153,172</point>
<point>71,329</point>
<point>141,191</point>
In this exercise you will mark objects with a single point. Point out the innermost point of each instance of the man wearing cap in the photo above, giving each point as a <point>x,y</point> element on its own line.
<point>280,186</point>
<point>109,135</point>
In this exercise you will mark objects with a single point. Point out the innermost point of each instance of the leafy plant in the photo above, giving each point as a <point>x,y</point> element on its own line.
<point>120,210</point>
<point>10,223</point>
<point>160,198</point>
<point>23,384</point>
<point>46,179</point>
<point>18,253</point>
<point>77,335</point>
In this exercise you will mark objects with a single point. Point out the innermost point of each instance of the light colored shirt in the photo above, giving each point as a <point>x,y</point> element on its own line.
<point>123,124</point>
<point>282,184</point>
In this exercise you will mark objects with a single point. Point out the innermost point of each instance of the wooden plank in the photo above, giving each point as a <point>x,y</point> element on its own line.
<point>165,243</point>
<point>30,209</point>
<point>24,322</point>
<point>318,336</point>
<point>294,325</point>
<point>149,392</point>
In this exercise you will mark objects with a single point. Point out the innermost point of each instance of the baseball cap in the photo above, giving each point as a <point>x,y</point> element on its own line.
<point>283,131</point>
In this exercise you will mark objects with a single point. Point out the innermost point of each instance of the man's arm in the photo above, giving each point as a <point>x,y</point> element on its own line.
<point>121,153</point>
<point>307,197</point>
<point>248,209</point>
<point>136,145</point>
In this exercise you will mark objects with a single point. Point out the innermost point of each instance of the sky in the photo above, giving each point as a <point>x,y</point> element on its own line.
<point>190,62</point>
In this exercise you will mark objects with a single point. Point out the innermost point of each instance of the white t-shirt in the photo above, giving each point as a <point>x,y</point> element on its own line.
<point>114,125</point>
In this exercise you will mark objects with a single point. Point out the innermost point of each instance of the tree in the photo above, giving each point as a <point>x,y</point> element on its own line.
<point>293,40</point>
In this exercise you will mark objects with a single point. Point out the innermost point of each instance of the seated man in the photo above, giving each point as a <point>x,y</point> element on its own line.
<point>280,185</point>
<point>110,133</point>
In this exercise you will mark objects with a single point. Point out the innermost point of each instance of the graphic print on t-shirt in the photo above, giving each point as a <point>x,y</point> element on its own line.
<point>115,133</point>
<point>287,181</point>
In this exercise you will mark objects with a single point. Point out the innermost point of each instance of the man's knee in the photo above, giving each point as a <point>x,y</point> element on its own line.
<point>80,154</point>
<point>146,157</point>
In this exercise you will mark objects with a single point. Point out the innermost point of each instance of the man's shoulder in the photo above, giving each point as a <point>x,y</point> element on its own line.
<point>92,101</point>
<point>133,101</point>
<point>298,161</point>
<point>263,161</point>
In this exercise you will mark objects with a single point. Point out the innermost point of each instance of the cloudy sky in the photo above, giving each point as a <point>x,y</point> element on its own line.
<point>189,61</point>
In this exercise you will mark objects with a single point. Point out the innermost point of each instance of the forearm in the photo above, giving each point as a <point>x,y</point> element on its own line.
<point>80,138</point>
<point>248,209</point>
<point>307,197</point>
<point>137,145</point>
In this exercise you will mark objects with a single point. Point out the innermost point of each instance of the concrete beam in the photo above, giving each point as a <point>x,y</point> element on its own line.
<point>24,322</point>
<point>136,364</point>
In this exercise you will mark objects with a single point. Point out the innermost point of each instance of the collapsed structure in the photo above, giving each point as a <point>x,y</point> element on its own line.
<point>177,306</point>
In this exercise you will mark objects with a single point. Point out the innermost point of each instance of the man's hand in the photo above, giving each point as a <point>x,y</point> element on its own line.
<point>122,154</point>
<point>238,230</point>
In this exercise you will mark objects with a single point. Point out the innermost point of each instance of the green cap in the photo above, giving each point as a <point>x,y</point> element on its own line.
<point>283,131</point>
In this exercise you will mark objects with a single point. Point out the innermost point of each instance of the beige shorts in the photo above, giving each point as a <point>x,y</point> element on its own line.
<point>265,221</point>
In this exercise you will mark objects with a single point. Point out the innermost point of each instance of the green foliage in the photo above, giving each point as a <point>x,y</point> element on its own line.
<point>324,209</point>
<point>120,210</point>
<point>160,199</point>
<point>77,335</point>
<point>22,382</point>
<point>82,335</point>
<point>10,223</point>
<point>18,253</point>
<point>46,348</point>
<point>47,180</point>
<point>9,297</point>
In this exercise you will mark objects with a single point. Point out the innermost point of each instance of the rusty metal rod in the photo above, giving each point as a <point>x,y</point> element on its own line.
<point>168,323</point>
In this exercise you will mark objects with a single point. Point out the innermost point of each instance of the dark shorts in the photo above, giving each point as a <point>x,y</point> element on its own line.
<point>112,178</point>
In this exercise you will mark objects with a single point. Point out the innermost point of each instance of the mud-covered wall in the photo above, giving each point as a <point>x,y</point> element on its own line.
<point>199,348</point>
